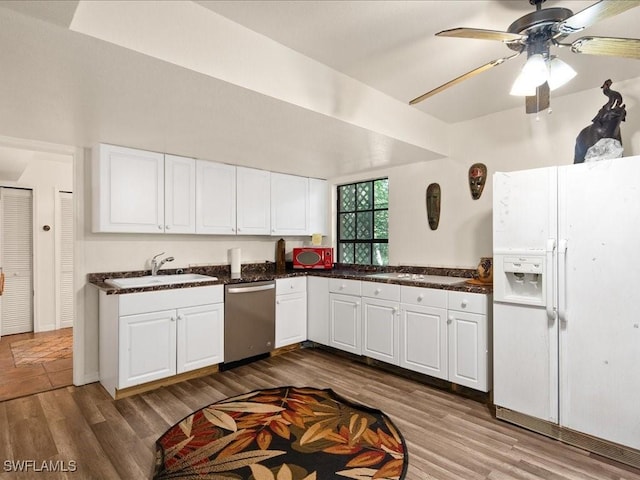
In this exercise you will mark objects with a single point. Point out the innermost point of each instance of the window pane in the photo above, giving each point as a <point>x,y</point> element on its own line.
<point>364,195</point>
<point>381,193</point>
<point>380,254</point>
<point>381,224</point>
<point>365,225</point>
<point>363,222</point>
<point>347,195</point>
<point>347,226</point>
<point>363,253</point>
<point>345,255</point>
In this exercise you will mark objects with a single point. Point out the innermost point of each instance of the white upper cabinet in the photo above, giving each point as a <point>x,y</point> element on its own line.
<point>289,204</point>
<point>179,194</point>
<point>136,191</point>
<point>128,190</point>
<point>253,201</point>
<point>215,198</point>
<point>318,206</point>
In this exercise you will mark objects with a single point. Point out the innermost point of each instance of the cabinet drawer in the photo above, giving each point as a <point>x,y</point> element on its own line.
<point>132,303</point>
<point>346,287</point>
<point>431,297</point>
<point>291,285</point>
<point>383,291</point>
<point>468,302</point>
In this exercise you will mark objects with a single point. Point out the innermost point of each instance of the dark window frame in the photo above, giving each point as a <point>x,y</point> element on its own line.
<point>373,210</point>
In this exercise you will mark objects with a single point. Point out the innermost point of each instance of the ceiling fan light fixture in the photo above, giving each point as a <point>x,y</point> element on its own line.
<point>560,73</point>
<point>533,74</point>
<point>522,87</point>
<point>536,70</point>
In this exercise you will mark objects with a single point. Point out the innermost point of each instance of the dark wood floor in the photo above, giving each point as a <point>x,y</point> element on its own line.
<point>21,380</point>
<point>448,437</point>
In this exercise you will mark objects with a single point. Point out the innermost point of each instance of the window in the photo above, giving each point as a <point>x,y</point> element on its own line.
<point>363,222</point>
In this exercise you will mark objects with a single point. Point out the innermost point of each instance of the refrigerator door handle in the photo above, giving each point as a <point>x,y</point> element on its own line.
<point>549,293</point>
<point>562,279</point>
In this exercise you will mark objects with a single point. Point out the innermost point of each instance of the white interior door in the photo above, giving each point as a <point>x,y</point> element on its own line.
<point>64,260</point>
<point>600,326</point>
<point>16,259</point>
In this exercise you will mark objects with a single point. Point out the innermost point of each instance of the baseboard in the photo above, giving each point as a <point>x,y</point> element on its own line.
<point>614,451</point>
<point>91,378</point>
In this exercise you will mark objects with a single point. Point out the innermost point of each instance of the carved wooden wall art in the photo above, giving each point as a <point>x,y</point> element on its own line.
<point>433,205</point>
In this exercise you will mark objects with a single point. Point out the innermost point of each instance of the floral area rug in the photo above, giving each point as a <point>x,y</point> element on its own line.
<point>286,433</point>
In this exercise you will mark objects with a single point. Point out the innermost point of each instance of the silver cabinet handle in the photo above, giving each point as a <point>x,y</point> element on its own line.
<point>250,289</point>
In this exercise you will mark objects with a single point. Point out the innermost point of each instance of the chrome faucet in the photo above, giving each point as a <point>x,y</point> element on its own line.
<point>157,265</point>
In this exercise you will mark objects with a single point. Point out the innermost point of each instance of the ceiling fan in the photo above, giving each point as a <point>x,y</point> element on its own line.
<point>535,34</point>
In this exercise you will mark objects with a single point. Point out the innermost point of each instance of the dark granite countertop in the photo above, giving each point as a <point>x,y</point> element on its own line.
<point>267,271</point>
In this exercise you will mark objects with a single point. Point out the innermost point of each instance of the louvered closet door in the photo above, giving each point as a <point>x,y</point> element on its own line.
<point>64,261</point>
<point>16,256</point>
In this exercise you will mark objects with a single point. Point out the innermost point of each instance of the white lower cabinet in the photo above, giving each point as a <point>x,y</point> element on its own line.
<point>469,331</point>
<point>424,340</point>
<point>149,336</point>
<point>345,323</point>
<point>197,326</point>
<point>147,347</point>
<point>291,311</point>
<point>381,322</point>
<point>318,309</point>
<point>440,333</point>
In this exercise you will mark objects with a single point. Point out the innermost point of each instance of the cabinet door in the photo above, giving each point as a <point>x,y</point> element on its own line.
<point>423,340</point>
<point>215,198</point>
<point>318,309</point>
<point>147,347</point>
<point>179,194</point>
<point>380,327</point>
<point>289,204</point>
<point>128,190</point>
<point>253,201</point>
<point>291,319</point>
<point>345,332</point>
<point>468,350</point>
<point>200,336</point>
<point>318,206</point>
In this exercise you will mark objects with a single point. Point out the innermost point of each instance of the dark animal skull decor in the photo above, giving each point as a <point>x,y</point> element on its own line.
<point>602,140</point>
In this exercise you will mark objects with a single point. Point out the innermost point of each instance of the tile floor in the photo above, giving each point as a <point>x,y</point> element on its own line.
<point>27,379</point>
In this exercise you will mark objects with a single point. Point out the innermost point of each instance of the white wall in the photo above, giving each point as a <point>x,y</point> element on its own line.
<point>504,141</point>
<point>46,174</point>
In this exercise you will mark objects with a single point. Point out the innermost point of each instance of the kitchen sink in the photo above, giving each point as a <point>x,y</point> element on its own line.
<point>417,277</point>
<point>153,280</point>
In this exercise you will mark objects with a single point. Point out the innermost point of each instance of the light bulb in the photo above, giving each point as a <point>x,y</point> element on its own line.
<point>536,70</point>
<point>559,73</point>
<point>533,73</point>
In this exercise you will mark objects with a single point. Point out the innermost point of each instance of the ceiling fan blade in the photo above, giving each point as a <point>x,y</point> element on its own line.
<point>472,73</point>
<point>538,102</point>
<point>595,13</point>
<point>481,34</point>
<point>617,47</point>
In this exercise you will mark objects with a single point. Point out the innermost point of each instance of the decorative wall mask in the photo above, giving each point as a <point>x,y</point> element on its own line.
<point>433,205</point>
<point>477,179</point>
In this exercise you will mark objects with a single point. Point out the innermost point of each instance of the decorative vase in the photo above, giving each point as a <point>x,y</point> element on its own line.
<point>485,269</point>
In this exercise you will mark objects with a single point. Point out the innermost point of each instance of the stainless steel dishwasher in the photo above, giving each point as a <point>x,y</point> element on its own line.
<point>249,320</point>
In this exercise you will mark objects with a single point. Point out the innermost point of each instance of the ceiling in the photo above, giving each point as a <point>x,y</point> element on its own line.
<point>75,89</point>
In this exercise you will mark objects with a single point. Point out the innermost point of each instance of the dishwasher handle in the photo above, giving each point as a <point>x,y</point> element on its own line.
<point>251,289</point>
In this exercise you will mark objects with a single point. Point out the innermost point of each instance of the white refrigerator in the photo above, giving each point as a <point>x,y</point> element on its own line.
<point>566,244</point>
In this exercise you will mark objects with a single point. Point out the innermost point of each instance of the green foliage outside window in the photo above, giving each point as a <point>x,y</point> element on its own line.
<point>363,222</point>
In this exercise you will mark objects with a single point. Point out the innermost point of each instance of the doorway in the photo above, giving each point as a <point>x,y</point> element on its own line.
<point>36,345</point>
<point>16,261</point>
